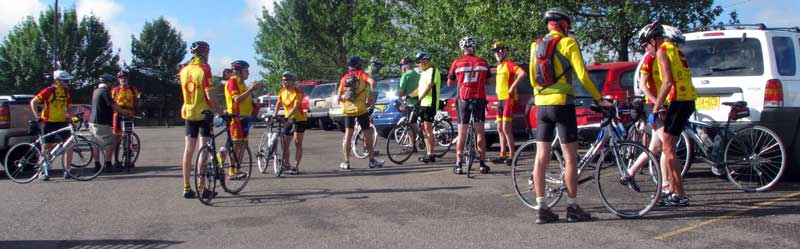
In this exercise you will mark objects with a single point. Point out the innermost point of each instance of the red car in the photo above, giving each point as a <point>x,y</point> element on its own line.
<point>307,87</point>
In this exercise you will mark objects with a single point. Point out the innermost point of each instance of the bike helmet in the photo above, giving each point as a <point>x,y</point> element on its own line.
<point>107,78</point>
<point>288,75</point>
<point>673,34</point>
<point>199,47</point>
<point>62,75</point>
<point>556,14</point>
<point>354,61</point>
<point>467,43</point>
<point>650,31</point>
<point>375,61</point>
<point>239,65</point>
<point>122,74</point>
<point>498,45</point>
<point>422,56</point>
<point>406,61</point>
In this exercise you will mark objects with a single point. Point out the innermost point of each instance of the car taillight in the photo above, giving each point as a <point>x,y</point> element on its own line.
<point>5,118</point>
<point>773,95</point>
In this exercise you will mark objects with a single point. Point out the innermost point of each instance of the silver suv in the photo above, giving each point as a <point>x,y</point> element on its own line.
<point>751,63</point>
<point>319,104</point>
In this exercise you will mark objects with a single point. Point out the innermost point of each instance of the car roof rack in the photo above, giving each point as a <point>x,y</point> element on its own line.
<point>790,29</point>
<point>737,26</point>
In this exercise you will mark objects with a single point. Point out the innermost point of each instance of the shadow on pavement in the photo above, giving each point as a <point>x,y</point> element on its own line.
<point>290,196</point>
<point>39,244</point>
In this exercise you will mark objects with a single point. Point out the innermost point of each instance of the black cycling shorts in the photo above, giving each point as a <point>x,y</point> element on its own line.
<point>414,111</point>
<point>678,113</point>
<point>475,108</point>
<point>295,126</point>
<point>202,127</point>
<point>49,127</point>
<point>561,117</point>
<point>363,121</point>
<point>427,113</point>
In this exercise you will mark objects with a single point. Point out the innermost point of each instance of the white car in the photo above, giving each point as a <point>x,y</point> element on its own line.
<point>751,63</point>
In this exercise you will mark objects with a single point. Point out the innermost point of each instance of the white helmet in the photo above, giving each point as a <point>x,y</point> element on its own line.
<point>61,75</point>
<point>467,43</point>
<point>673,34</point>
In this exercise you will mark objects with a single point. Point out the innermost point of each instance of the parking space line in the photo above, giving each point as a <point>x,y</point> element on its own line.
<point>434,172</point>
<point>509,195</point>
<point>726,216</point>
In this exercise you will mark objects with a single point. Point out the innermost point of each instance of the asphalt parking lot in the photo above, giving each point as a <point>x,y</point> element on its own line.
<point>408,206</point>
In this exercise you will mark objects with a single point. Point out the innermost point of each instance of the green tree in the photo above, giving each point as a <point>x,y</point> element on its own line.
<point>23,65</point>
<point>96,55</point>
<point>157,56</point>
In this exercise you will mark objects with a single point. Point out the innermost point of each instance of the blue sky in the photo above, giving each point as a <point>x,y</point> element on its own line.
<point>230,25</point>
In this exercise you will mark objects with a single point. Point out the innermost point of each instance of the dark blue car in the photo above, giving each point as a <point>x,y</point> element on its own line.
<point>386,114</point>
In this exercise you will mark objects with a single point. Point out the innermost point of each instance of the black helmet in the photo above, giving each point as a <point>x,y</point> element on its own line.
<point>107,78</point>
<point>288,75</point>
<point>650,31</point>
<point>122,73</point>
<point>239,65</point>
<point>556,14</point>
<point>422,56</point>
<point>354,61</point>
<point>199,47</point>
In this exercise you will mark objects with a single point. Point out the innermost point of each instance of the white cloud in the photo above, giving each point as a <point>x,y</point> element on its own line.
<point>107,11</point>
<point>252,11</point>
<point>188,31</point>
<point>13,11</point>
<point>219,63</point>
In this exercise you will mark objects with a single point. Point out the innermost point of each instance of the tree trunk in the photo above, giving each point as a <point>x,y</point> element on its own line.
<point>622,51</point>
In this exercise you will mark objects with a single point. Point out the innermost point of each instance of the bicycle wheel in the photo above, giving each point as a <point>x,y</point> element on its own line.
<point>134,145</point>
<point>399,146</point>
<point>277,155</point>
<point>755,159</point>
<point>205,174</point>
<point>522,173</point>
<point>22,163</point>
<point>240,166</point>
<point>633,197</point>
<point>684,150</point>
<point>637,134</point>
<point>82,156</point>
<point>443,134</point>
<point>359,145</point>
<point>84,172</point>
<point>469,151</point>
<point>263,155</point>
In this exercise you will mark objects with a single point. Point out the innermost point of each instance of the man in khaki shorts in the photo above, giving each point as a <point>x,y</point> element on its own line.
<point>103,108</point>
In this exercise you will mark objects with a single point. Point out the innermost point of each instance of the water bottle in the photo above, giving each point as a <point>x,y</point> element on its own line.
<point>715,148</point>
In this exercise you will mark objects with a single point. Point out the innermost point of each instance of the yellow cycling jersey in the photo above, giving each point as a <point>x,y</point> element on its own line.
<point>289,98</point>
<point>507,72</point>
<point>195,81</point>
<point>682,89</point>
<point>557,93</point>
<point>233,88</point>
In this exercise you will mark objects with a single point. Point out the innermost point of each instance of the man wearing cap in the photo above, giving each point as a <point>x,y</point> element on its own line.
<point>100,124</point>
<point>429,84</point>
<point>56,99</point>
<point>409,82</point>
<point>355,92</point>
<point>507,78</point>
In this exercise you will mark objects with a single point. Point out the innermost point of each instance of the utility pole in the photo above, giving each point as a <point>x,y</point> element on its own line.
<point>55,39</point>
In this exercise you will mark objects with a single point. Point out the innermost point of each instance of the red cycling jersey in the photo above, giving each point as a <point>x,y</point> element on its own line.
<point>471,73</point>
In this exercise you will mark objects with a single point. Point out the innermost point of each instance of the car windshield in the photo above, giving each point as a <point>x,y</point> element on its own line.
<point>321,91</point>
<point>598,77</point>
<point>387,88</point>
<point>724,57</point>
<point>306,88</point>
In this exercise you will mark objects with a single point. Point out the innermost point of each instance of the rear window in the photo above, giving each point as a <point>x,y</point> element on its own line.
<point>724,57</point>
<point>321,91</point>
<point>598,76</point>
<point>784,55</point>
<point>306,88</point>
<point>626,79</point>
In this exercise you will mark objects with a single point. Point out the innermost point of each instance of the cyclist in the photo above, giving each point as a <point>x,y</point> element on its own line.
<point>375,66</point>
<point>470,72</point>
<point>355,94</point>
<point>676,87</point>
<point>100,123</point>
<point>239,100</point>
<point>430,82</point>
<point>507,72</point>
<point>291,98</point>
<point>409,82</point>
<point>56,99</point>
<point>556,110</point>
<point>649,86</point>
<point>198,96</point>
<point>126,97</point>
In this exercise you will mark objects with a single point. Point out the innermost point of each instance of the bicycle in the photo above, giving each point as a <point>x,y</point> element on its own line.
<point>640,130</point>
<point>753,156</point>
<point>610,156</point>
<point>358,141</point>
<point>26,161</point>
<point>127,150</point>
<point>267,151</point>
<point>443,133</point>
<point>210,167</point>
<point>470,147</point>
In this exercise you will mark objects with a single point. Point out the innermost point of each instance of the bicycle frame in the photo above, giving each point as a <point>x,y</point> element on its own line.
<point>40,142</point>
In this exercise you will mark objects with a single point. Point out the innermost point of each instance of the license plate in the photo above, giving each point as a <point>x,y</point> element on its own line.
<point>380,107</point>
<point>488,125</point>
<point>707,103</point>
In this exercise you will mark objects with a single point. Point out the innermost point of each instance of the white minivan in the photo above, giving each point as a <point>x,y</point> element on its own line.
<point>749,63</point>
